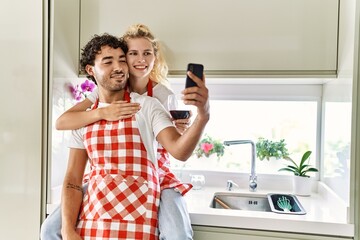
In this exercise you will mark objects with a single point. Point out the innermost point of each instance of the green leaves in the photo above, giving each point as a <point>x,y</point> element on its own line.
<point>302,169</point>
<point>266,149</point>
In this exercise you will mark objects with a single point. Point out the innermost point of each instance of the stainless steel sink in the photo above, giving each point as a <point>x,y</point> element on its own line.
<point>240,201</point>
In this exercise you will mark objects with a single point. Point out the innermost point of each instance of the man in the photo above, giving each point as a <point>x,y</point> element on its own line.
<point>123,193</point>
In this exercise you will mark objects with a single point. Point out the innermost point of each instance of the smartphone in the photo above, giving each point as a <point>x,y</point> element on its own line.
<point>198,70</point>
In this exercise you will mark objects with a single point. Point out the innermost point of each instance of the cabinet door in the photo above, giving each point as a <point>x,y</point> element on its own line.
<point>229,37</point>
<point>216,233</point>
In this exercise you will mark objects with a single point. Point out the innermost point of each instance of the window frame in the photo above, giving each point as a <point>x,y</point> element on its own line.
<point>264,89</point>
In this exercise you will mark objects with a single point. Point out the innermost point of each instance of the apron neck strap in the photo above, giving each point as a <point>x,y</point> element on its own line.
<point>150,88</point>
<point>96,104</point>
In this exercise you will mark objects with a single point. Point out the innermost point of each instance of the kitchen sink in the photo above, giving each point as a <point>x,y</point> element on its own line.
<point>240,201</point>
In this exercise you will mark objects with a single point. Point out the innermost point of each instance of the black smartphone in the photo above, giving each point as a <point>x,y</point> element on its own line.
<point>196,69</point>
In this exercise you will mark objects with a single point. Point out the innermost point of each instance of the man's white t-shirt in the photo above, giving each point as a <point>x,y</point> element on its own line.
<point>152,118</point>
<point>160,91</point>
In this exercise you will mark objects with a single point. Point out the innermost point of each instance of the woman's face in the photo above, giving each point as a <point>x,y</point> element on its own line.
<point>140,57</point>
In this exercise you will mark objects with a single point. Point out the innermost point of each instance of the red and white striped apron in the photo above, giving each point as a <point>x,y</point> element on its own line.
<point>123,194</point>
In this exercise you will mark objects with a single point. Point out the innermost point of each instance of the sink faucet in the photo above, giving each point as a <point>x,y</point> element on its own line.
<point>230,184</point>
<point>253,177</point>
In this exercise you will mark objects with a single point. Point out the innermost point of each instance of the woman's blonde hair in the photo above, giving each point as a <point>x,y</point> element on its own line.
<point>160,70</point>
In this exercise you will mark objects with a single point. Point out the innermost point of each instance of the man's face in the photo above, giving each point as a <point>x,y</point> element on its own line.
<point>110,69</point>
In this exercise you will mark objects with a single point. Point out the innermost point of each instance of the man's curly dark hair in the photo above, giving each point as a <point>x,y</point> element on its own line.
<point>93,47</point>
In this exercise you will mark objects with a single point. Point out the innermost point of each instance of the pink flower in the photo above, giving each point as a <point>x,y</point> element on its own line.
<point>87,86</point>
<point>207,147</point>
<point>75,92</point>
<point>80,92</point>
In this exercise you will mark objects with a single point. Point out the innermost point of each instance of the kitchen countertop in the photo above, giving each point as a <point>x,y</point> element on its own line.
<point>325,213</point>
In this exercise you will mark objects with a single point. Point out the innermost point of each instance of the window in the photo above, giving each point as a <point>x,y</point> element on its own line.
<point>336,157</point>
<point>284,112</point>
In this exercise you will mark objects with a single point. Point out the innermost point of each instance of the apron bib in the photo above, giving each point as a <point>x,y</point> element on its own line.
<point>166,178</point>
<point>123,194</point>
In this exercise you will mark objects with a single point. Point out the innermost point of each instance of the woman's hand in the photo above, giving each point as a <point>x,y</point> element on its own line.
<point>119,110</point>
<point>182,124</point>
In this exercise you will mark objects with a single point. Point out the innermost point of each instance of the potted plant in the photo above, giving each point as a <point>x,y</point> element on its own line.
<point>209,146</point>
<point>267,149</point>
<point>302,181</point>
<point>272,151</point>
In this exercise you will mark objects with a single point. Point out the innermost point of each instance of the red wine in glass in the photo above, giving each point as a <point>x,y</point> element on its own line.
<point>180,114</point>
<point>176,108</point>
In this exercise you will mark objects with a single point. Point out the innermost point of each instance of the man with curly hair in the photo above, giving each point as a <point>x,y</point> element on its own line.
<point>123,193</point>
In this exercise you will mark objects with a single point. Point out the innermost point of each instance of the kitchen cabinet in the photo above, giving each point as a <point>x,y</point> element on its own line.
<point>23,117</point>
<point>231,38</point>
<point>215,233</point>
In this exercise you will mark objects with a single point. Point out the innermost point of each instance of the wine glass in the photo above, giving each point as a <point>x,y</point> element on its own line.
<point>177,108</point>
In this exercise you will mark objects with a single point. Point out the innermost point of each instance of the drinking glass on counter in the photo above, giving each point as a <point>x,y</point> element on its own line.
<point>198,181</point>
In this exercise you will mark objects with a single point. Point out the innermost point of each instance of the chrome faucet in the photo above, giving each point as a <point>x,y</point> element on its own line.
<point>253,177</point>
<point>230,184</point>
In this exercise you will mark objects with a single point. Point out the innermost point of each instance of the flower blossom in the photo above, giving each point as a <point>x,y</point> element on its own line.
<point>80,92</point>
<point>87,86</point>
<point>75,92</point>
<point>207,147</point>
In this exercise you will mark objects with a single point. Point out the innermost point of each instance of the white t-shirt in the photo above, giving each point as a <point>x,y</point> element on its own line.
<point>160,91</point>
<point>152,118</point>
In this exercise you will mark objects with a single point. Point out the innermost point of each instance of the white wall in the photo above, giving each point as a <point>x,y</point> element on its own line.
<point>21,118</point>
<point>337,97</point>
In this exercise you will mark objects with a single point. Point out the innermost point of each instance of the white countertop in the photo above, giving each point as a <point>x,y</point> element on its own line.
<point>326,213</point>
<point>323,216</point>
